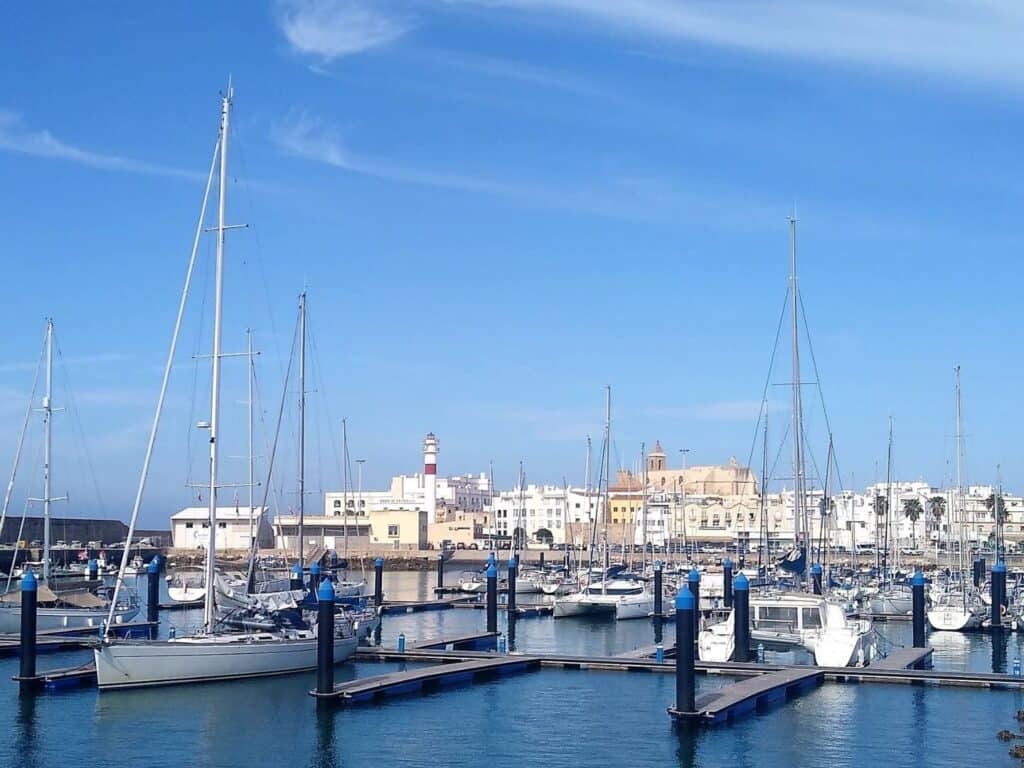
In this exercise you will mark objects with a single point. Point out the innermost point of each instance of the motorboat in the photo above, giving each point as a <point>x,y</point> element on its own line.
<point>187,585</point>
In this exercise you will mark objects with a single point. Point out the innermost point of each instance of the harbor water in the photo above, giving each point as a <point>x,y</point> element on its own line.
<point>595,718</point>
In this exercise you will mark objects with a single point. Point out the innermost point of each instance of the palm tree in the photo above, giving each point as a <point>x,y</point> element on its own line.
<point>938,507</point>
<point>913,510</point>
<point>996,505</point>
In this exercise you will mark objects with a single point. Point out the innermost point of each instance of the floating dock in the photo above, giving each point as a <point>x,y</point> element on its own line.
<point>527,611</point>
<point>478,641</point>
<point>417,606</point>
<point>905,658</point>
<point>752,694</point>
<point>370,689</point>
<point>68,677</point>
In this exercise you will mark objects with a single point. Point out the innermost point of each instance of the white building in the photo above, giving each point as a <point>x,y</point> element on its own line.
<point>541,513</point>
<point>190,528</point>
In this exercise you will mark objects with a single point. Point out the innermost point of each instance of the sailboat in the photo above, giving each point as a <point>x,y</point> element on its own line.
<point>889,598</point>
<point>956,606</point>
<point>795,618</point>
<point>211,653</point>
<point>611,591</point>
<point>72,605</point>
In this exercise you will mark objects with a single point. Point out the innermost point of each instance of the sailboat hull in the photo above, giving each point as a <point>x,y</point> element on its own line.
<point>951,619</point>
<point>208,659</point>
<point>63,618</point>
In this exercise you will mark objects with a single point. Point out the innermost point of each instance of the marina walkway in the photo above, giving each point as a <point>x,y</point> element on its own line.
<point>749,695</point>
<point>478,641</point>
<point>416,606</point>
<point>905,658</point>
<point>369,689</point>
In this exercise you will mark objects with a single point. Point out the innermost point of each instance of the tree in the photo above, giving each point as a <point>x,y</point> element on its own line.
<point>996,506</point>
<point>938,507</point>
<point>913,510</point>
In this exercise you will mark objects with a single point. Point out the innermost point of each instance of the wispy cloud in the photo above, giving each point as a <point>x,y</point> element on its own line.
<point>78,361</point>
<point>720,411</point>
<point>330,29</point>
<point>305,136</point>
<point>17,137</point>
<point>950,38</point>
<point>518,71</point>
<point>633,195</point>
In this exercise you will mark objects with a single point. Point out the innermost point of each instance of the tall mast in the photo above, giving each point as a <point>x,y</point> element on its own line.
<point>762,552</point>
<point>302,428</point>
<point>520,513</point>
<point>960,482</point>
<point>606,472</point>
<point>47,449</point>
<point>252,509</point>
<point>344,477</point>
<point>798,456</point>
<point>591,508</point>
<point>643,508</point>
<point>209,616</point>
<point>889,511</point>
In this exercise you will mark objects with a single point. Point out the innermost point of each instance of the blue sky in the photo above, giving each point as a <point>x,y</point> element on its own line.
<point>500,206</point>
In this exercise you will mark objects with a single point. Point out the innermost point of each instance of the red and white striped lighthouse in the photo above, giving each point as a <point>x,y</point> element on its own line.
<point>430,448</point>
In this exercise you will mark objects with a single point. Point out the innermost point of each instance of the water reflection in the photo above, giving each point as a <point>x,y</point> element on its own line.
<point>998,650</point>
<point>326,753</point>
<point>688,737</point>
<point>25,735</point>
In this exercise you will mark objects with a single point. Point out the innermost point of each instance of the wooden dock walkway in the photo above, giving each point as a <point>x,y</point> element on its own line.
<point>369,689</point>
<point>905,658</point>
<point>478,641</point>
<point>416,606</point>
<point>650,651</point>
<point>527,611</point>
<point>66,677</point>
<point>749,695</point>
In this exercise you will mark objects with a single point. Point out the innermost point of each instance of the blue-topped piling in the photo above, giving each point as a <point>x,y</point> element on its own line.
<point>816,578</point>
<point>296,579</point>
<point>153,594</point>
<point>998,594</point>
<point>29,604</point>
<point>492,598</point>
<point>694,585</point>
<point>977,571</point>
<point>542,560</point>
<point>917,590</point>
<point>314,577</point>
<point>741,619</point>
<point>727,582</point>
<point>513,572</point>
<point>94,569</point>
<point>325,637</point>
<point>440,571</point>
<point>378,581</point>
<point>658,589</point>
<point>686,688</point>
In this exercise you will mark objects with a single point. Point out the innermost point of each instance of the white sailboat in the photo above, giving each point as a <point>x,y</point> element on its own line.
<point>956,607</point>
<point>210,654</point>
<point>78,605</point>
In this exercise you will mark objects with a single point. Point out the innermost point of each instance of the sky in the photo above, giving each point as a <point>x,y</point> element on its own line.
<point>499,207</point>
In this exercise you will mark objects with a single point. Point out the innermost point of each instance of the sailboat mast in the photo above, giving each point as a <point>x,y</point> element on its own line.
<point>888,507</point>
<point>344,478</point>
<point>960,484</point>
<point>209,616</point>
<point>643,509</point>
<point>47,449</point>
<point>302,428</point>
<point>798,459</point>
<point>606,473</point>
<point>763,550</point>
<point>252,509</point>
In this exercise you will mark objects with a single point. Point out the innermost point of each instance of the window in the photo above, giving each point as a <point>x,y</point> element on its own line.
<point>337,504</point>
<point>189,525</point>
<point>393,531</point>
<point>222,525</point>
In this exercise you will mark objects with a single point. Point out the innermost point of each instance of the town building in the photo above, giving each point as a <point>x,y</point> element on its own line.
<point>190,528</point>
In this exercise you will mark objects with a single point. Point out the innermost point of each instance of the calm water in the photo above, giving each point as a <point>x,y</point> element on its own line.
<point>590,718</point>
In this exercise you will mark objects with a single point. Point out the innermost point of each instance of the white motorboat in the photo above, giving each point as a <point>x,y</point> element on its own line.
<point>473,583</point>
<point>717,641</point>
<point>187,585</point>
<point>814,623</point>
<point>217,656</point>
<point>636,606</point>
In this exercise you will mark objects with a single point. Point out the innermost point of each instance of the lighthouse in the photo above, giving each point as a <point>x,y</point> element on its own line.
<point>430,446</point>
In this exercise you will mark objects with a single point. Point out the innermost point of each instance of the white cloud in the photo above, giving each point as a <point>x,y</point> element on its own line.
<point>976,39</point>
<point>305,136</point>
<point>17,137</point>
<point>330,29</point>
